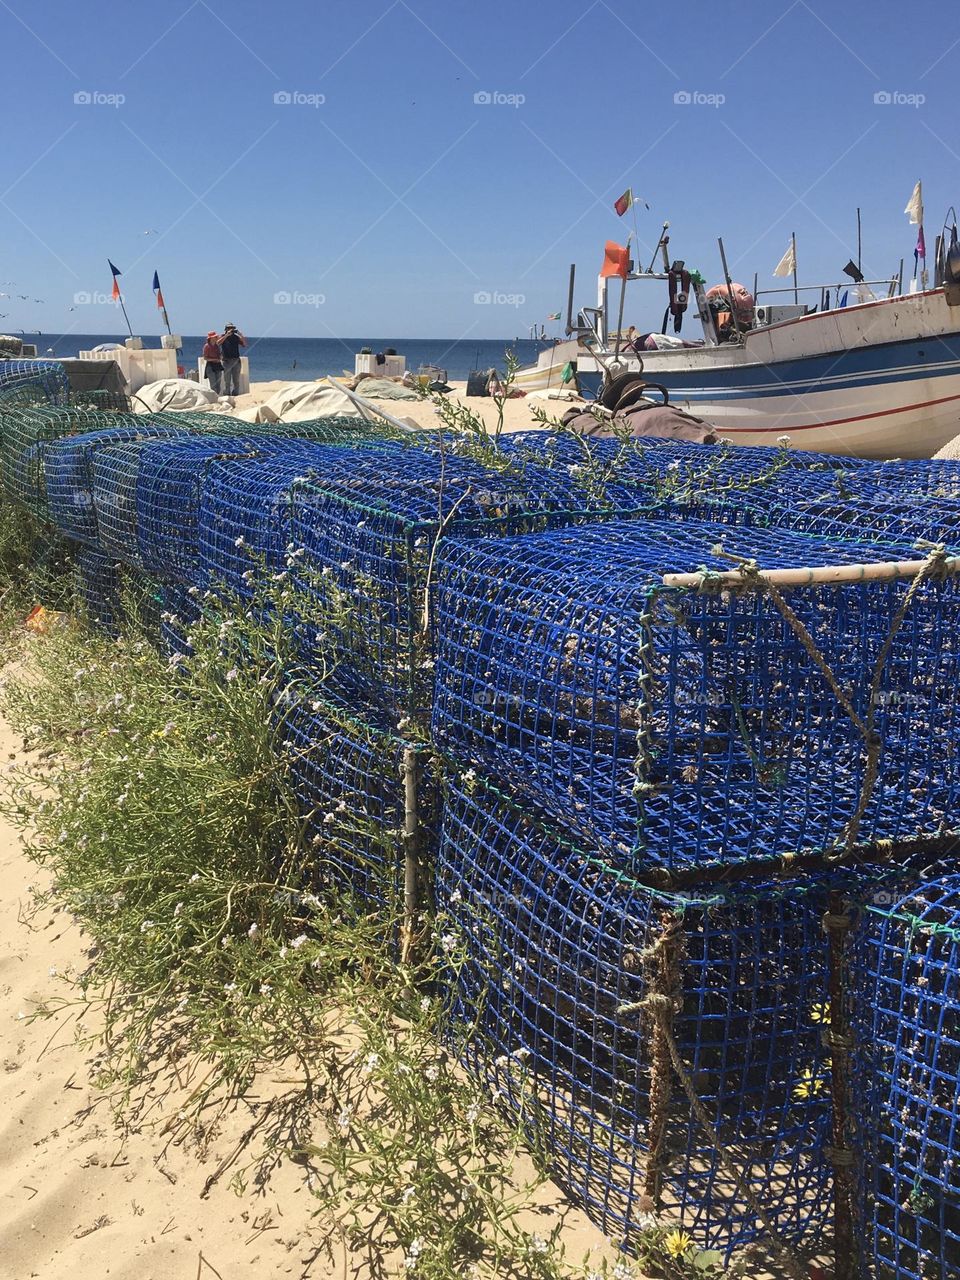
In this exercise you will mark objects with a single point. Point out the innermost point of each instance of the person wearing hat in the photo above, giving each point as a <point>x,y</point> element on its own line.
<point>213,370</point>
<point>231,340</point>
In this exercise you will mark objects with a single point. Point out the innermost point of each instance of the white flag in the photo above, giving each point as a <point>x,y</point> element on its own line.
<point>787,264</point>
<point>915,206</point>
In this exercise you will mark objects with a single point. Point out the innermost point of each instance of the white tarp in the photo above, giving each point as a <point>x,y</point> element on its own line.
<point>173,393</point>
<point>301,401</point>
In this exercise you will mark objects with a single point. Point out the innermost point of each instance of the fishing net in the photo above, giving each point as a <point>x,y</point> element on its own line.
<point>554,957</point>
<point>25,437</point>
<point>687,728</point>
<point>169,486</point>
<point>907,988</point>
<point>349,779</point>
<point>69,470</point>
<point>44,379</point>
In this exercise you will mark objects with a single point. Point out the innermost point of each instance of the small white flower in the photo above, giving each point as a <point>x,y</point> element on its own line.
<point>265,988</point>
<point>195,877</point>
<point>177,909</point>
<point>448,942</point>
<point>298,942</point>
<point>230,986</point>
<point>52,971</point>
<point>343,1119</point>
<point>538,1244</point>
<point>425,1004</point>
<point>371,1062</point>
<point>432,1072</point>
<point>146,926</point>
<point>253,931</point>
<point>232,674</point>
<point>239,542</point>
<point>407,1194</point>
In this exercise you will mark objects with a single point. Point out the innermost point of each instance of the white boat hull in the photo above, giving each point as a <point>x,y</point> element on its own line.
<point>879,380</point>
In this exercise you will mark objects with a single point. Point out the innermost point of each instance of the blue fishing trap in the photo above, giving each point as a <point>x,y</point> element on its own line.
<point>567,982</point>
<point>26,435</point>
<point>170,482</point>
<point>368,524</point>
<point>41,380</point>
<point>348,775</point>
<point>906,980</point>
<point>686,728</point>
<point>100,588</point>
<point>244,514</point>
<point>69,467</point>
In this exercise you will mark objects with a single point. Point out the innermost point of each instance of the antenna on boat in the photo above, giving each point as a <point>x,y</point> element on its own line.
<point>661,244</point>
<point>859,245</point>
<point>573,276</point>
<point>727,277</point>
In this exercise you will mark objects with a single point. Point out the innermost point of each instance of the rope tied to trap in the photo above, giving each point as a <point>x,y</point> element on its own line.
<point>748,575</point>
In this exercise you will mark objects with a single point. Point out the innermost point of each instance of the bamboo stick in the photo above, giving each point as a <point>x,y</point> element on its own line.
<point>884,570</point>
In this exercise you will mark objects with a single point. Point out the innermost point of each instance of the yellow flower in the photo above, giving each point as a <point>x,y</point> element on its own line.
<point>820,1012</point>
<point>809,1085</point>
<point>677,1243</point>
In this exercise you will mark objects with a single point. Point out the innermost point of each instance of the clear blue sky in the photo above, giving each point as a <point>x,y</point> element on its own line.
<point>401,197</point>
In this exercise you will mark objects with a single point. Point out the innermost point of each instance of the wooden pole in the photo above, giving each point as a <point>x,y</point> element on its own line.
<point>881,571</point>
<point>411,851</point>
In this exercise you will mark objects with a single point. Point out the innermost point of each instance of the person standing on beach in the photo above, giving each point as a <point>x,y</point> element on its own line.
<point>231,340</point>
<point>214,366</point>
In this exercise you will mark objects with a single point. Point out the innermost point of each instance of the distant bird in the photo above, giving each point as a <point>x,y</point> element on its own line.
<point>71,308</point>
<point>152,232</point>
<point>38,299</point>
<point>23,297</point>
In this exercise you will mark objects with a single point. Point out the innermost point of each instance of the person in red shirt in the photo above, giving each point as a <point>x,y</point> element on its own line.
<point>214,366</point>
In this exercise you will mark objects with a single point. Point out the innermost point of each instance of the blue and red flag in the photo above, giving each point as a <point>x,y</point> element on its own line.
<point>116,287</point>
<point>161,305</point>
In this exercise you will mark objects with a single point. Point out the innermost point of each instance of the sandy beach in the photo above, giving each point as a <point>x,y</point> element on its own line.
<point>83,1195</point>
<point>517,413</point>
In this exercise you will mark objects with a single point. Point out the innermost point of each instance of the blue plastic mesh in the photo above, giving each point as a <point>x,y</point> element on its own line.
<point>369,521</point>
<point>244,516</point>
<point>348,777</point>
<point>553,954</point>
<point>685,729</point>
<point>181,608</point>
<point>69,474</point>
<point>100,587</point>
<point>907,995</point>
<point>671,466</point>
<point>25,437</point>
<point>898,520</point>
<point>46,378</point>
<point>170,483</point>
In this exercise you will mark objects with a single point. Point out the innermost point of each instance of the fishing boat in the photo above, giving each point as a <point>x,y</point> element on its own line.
<point>876,379</point>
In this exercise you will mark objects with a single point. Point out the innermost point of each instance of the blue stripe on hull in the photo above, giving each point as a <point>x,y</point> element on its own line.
<point>905,361</point>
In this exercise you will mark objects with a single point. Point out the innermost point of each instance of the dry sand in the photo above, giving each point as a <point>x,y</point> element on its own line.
<point>517,413</point>
<point>82,1197</point>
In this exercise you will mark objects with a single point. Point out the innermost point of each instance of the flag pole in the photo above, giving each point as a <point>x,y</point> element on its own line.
<point>623,298</point>
<point>120,299</point>
<point>796,292</point>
